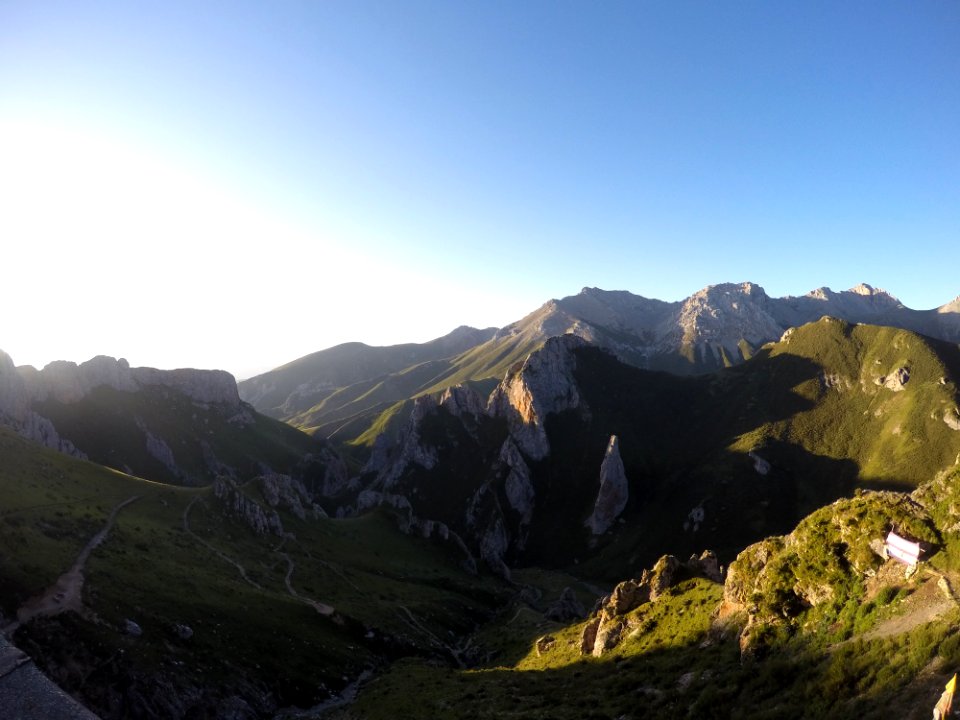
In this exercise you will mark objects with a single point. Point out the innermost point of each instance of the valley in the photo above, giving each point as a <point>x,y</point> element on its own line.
<point>613,508</point>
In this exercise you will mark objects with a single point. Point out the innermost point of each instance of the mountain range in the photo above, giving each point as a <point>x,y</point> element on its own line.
<point>339,392</point>
<point>422,530</point>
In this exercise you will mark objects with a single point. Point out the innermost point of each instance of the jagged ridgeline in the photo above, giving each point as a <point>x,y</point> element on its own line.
<point>579,458</point>
<point>185,427</point>
<point>340,392</point>
<point>188,556</point>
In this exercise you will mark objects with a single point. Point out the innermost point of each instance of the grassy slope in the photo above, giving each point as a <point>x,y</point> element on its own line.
<point>106,425</point>
<point>679,660</point>
<point>685,440</point>
<point>349,413</point>
<point>153,572</point>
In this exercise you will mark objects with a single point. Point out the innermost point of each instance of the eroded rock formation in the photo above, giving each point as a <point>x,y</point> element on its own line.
<point>614,490</point>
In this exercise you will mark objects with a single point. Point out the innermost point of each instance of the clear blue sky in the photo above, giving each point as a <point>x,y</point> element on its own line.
<point>236,184</point>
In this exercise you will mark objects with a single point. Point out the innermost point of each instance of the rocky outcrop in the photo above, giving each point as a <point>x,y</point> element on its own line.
<point>952,418</point>
<point>896,380</point>
<point>540,385</point>
<point>410,448</point>
<point>761,466</point>
<point>461,400</point>
<point>16,400</point>
<point>209,387</point>
<point>611,618</point>
<point>707,565</point>
<point>614,490</point>
<point>67,382</point>
<point>286,493</point>
<point>245,509</point>
<point>159,450</point>
<point>14,397</point>
<point>518,487</point>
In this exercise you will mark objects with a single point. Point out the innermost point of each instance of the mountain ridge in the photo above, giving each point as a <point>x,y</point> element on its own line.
<point>718,326</point>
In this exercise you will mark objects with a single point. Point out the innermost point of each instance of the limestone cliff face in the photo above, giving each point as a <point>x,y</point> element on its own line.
<point>392,462</point>
<point>614,491</point>
<point>519,488</point>
<point>213,387</point>
<point>461,400</point>
<point>541,385</point>
<point>16,411</point>
<point>14,397</point>
<point>67,382</point>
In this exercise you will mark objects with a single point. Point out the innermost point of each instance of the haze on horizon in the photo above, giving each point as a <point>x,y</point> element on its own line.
<point>237,185</point>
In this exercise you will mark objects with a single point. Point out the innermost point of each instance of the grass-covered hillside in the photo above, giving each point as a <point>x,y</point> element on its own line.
<point>812,408</point>
<point>166,436</point>
<point>752,449</point>
<point>860,640</point>
<point>224,617</point>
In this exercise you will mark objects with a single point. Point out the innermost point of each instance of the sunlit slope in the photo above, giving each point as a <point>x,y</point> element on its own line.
<point>829,630</point>
<point>311,608</point>
<point>809,409</point>
<point>348,413</point>
<point>306,382</point>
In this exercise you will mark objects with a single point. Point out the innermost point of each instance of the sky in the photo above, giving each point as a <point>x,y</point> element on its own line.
<point>237,184</point>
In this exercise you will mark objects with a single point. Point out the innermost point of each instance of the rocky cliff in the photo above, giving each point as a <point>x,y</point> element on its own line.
<point>540,385</point>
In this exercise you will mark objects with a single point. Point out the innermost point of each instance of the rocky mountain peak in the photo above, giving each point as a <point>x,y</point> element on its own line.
<point>540,385</point>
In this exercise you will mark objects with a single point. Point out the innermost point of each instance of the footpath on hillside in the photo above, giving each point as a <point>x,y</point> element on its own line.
<point>67,592</point>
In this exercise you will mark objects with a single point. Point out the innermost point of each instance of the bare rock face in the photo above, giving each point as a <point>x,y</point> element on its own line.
<point>611,623</point>
<point>461,400</point>
<point>761,466</point>
<point>210,387</point>
<point>540,385</point>
<point>707,565</point>
<point>952,419</point>
<point>896,380</point>
<point>14,398</point>
<point>588,638</point>
<point>519,489</point>
<point>247,510</point>
<point>282,491</point>
<point>410,447</point>
<point>614,490</point>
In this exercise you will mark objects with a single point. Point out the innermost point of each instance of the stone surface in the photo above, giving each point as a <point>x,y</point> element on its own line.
<point>410,448</point>
<point>518,486</point>
<point>250,512</point>
<point>287,493</point>
<point>614,490</point>
<point>761,466</point>
<point>461,400</point>
<point>540,385</point>
<point>952,418</point>
<point>896,380</point>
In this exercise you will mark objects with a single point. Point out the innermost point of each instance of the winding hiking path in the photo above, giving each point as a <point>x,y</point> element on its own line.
<point>931,601</point>
<point>226,558</point>
<point>320,607</point>
<point>67,592</point>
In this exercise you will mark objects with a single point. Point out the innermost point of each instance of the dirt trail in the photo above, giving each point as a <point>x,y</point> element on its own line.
<point>320,607</point>
<point>211,548</point>
<point>67,592</point>
<point>931,600</point>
